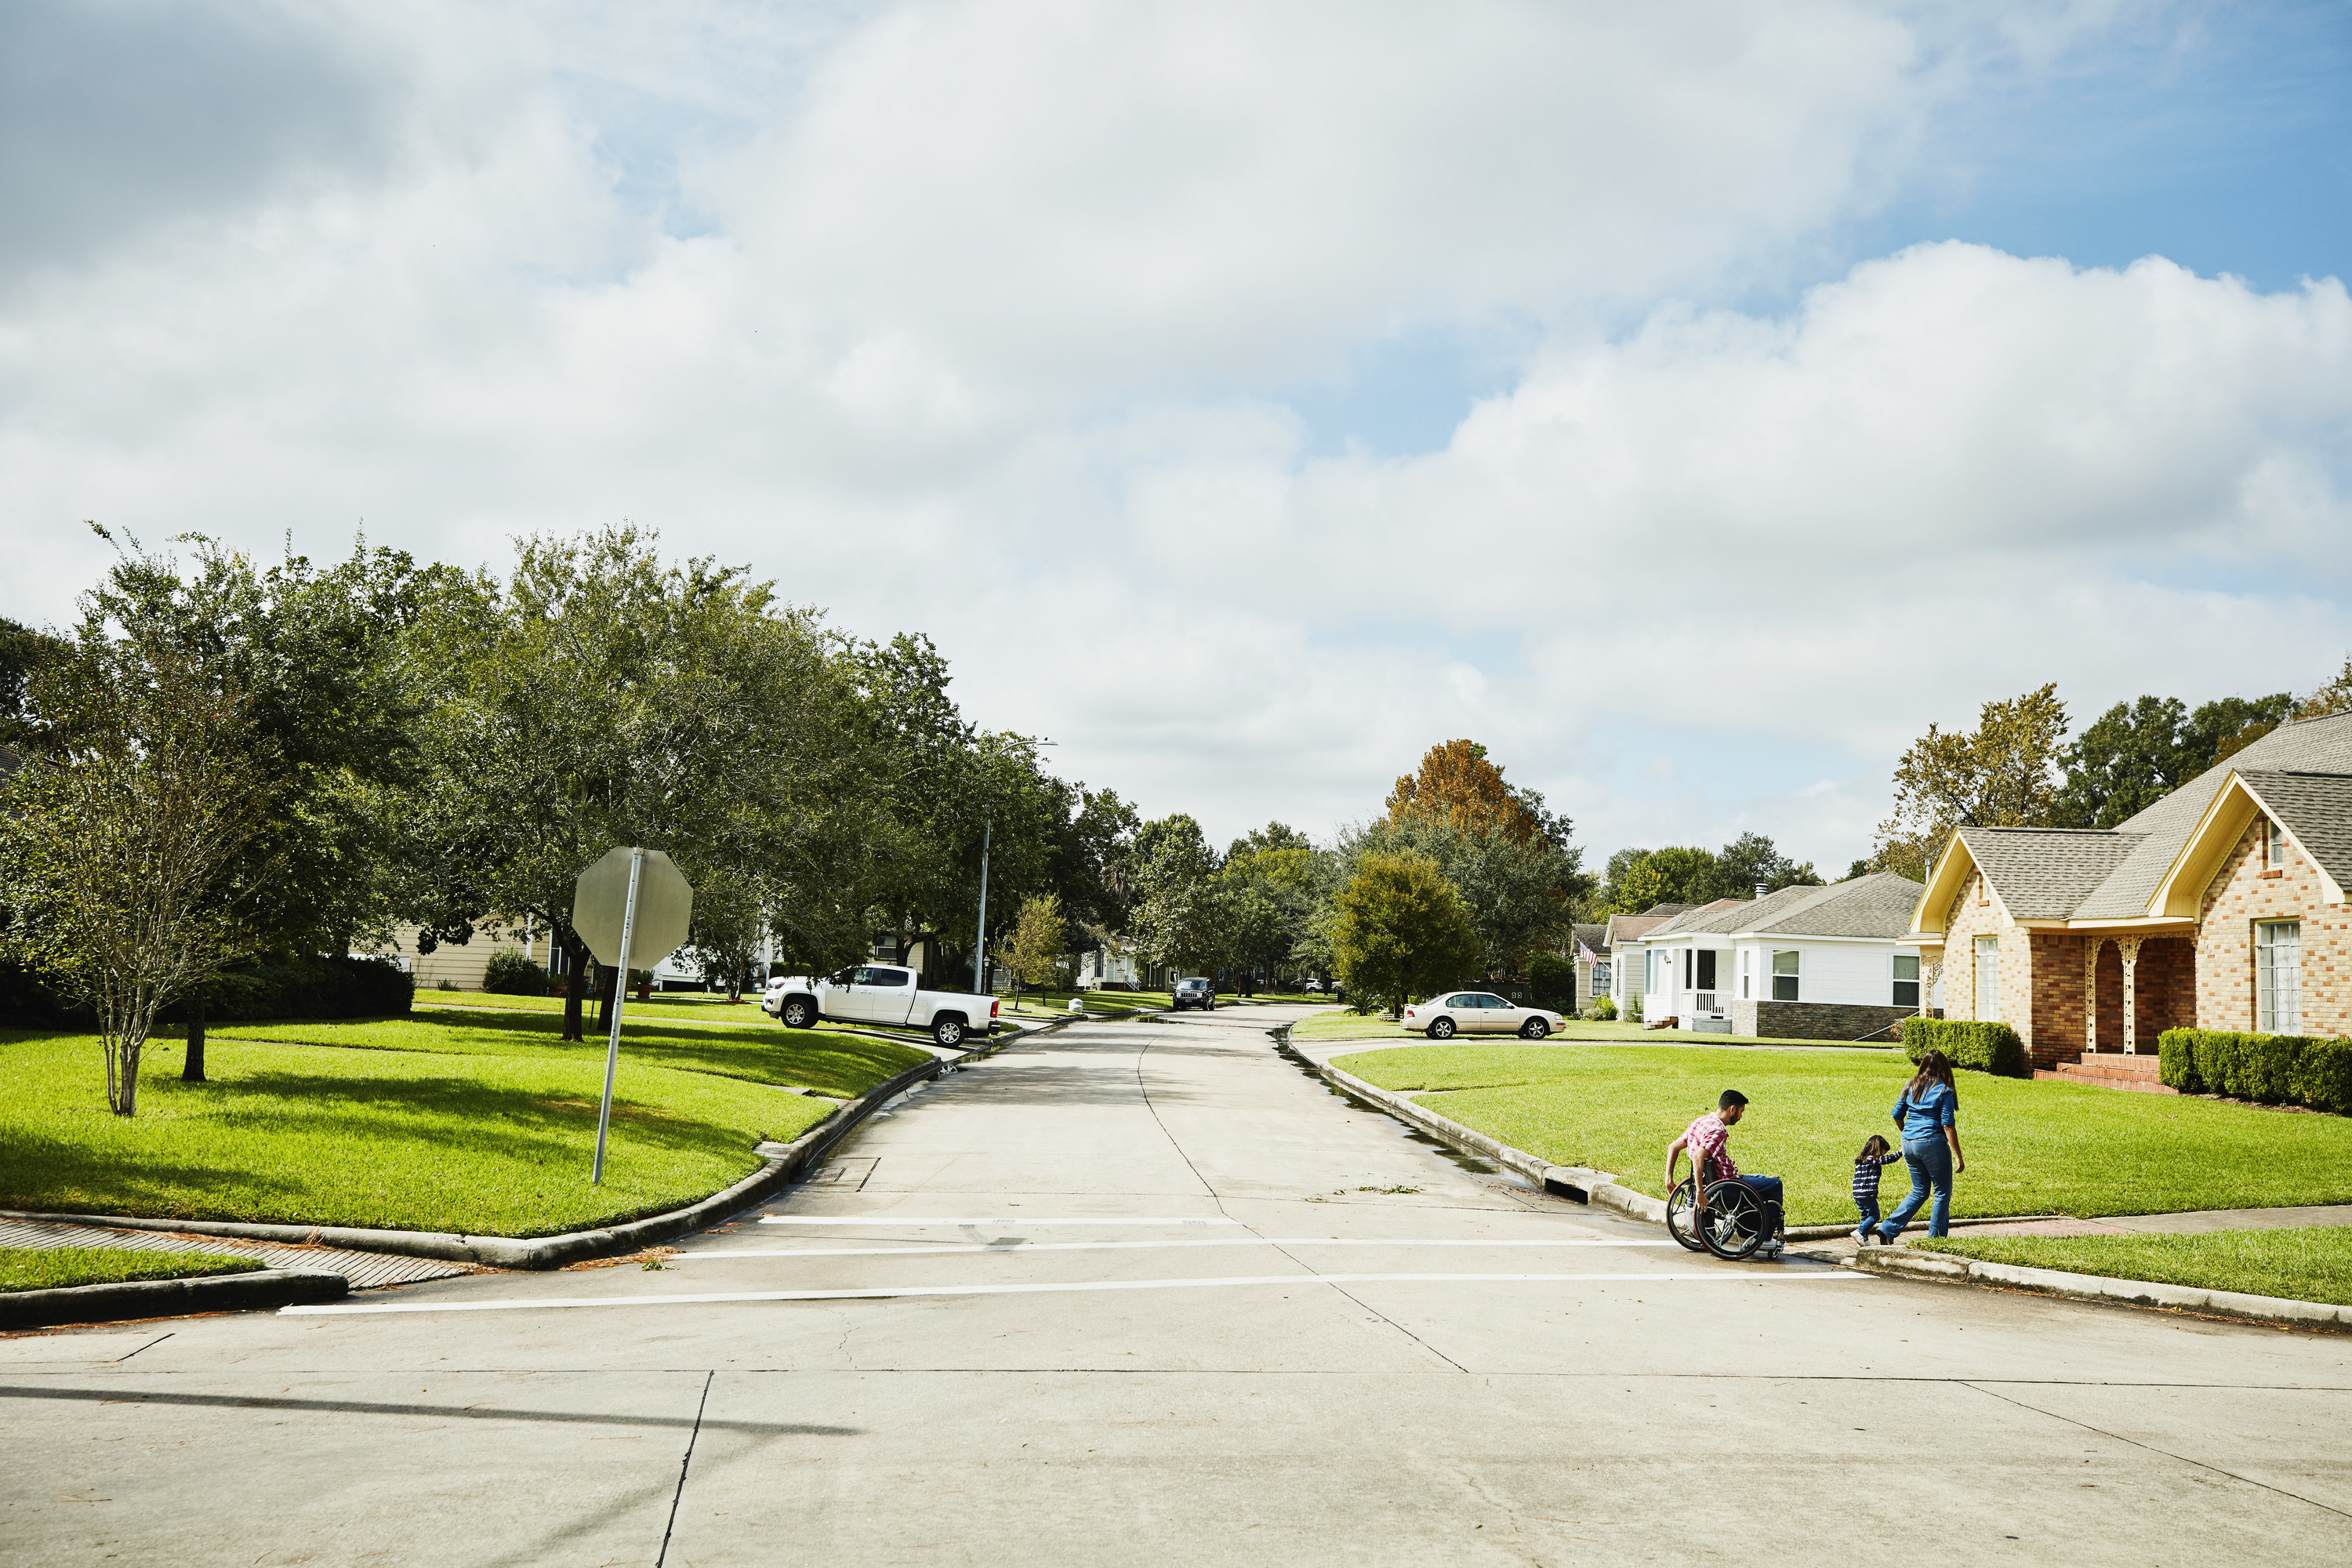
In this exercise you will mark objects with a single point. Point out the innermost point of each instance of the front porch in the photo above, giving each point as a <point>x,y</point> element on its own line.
<point>2102,1001</point>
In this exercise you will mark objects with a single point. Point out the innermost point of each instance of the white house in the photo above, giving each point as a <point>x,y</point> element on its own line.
<point>1819,963</point>
<point>1108,965</point>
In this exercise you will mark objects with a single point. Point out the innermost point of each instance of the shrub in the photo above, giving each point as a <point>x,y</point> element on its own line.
<point>305,988</point>
<point>1551,982</point>
<point>2293,1068</point>
<point>1605,1009</point>
<point>1979,1048</point>
<point>509,974</point>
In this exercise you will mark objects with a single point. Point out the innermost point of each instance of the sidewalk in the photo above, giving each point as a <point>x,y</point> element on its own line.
<point>365,1271</point>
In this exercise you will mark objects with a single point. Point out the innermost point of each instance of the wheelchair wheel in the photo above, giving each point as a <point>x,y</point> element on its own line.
<point>1736,1224</point>
<point>1678,1203</point>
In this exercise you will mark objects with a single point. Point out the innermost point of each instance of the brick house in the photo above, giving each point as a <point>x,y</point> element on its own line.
<point>2220,907</point>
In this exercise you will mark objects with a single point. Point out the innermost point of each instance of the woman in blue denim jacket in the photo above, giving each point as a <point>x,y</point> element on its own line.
<point>1928,1114</point>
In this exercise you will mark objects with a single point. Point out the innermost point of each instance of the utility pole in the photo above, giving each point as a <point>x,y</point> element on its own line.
<point>980,939</point>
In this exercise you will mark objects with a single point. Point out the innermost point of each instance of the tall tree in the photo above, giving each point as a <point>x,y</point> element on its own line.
<point>1039,937</point>
<point>2335,697</point>
<point>1401,930</point>
<point>1179,917</point>
<point>603,698</point>
<point>1753,859</point>
<point>1458,786</point>
<point>1678,874</point>
<point>127,844</point>
<point>2003,773</point>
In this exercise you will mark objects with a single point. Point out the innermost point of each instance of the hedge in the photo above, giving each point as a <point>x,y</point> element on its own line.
<point>512,974</point>
<point>2295,1069</point>
<point>1551,982</point>
<point>1979,1048</point>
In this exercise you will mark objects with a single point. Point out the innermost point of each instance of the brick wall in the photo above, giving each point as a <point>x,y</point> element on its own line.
<point>2241,893</point>
<point>2054,1033</point>
<point>1812,1020</point>
<point>1973,914</point>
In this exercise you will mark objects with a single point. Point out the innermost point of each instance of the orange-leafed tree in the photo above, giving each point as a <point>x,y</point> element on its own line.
<point>1458,787</point>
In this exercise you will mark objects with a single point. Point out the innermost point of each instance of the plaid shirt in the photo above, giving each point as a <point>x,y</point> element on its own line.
<point>1708,1139</point>
<point>1865,1173</point>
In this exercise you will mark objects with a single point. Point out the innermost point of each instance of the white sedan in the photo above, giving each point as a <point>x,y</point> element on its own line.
<point>1478,1013</point>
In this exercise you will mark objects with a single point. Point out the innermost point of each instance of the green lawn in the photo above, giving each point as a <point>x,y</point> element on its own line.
<point>828,1061</point>
<point>680,1004</point>
<point>1038,1005</point>
<point>2033,1147</point>
<point>1343,1025</point>
<point>1594,1029</point>
<point>2313,1264</point>
<point>53,1268</point>
<point>485,1127</point>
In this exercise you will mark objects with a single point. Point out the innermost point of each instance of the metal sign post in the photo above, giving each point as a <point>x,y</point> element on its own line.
<point>632,902</point>
<point>980,939</point>
<point>620,993</point>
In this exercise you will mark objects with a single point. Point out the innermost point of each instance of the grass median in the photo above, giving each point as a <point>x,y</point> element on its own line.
<point>484,1127</point>
<point>2302,1265</point>
<point>55,1268</point>
<point>2033,1147</point>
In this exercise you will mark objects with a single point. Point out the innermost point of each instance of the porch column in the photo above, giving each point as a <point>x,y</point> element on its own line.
<point>2130,946</point>
<point>2091,946</point>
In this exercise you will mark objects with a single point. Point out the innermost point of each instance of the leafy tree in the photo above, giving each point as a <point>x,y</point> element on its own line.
<point>1458,786</point>
<point>2335,697</point>
<point>1039,936</point>
<point>1274,836</point>
<point>1180,914</point>
<point>602,698</point>
<point>731,917</point>
<point>2136,754</point>
<point>1752,859</point>
<point>1401,930</point>
<point>1678,874</point>
<point>128,844</point>
<point>2001,774</point>
<point>1552,981</point>
<point>1522,893</point>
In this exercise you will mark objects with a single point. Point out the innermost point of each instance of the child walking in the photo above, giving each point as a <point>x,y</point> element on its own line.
<point>1875,1157</point>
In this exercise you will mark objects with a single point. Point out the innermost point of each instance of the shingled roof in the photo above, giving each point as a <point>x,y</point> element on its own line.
<point>2050,873</point>
<point>2315,807</point>
<point>1877,905</point>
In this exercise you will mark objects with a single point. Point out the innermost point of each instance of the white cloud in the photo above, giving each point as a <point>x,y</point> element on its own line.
<point>964,318</point>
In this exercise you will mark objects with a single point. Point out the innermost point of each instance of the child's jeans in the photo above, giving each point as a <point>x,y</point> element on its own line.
<point>1869,1207</point>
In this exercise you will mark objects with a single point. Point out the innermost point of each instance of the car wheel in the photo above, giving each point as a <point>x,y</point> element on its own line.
<point>1534,1030</point>
<point>797,1013</point>
<point>1440,1029</point>
<point>947,1031</point>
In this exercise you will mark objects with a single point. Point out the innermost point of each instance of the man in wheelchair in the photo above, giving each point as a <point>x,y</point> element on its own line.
<point>1730,1215</point>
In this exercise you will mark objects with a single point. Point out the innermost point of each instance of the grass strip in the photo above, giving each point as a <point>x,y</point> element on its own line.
<point>2302,1265</point>
<point>2033,1147</point>
<point>403,1139</point>
<point>55,1268</point>
<point>839,1064</point>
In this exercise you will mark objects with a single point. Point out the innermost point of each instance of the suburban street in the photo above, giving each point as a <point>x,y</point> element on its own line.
<point>1214,1313</point>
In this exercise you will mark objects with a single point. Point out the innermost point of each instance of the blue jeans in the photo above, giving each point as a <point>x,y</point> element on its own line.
<point>1869,1207</point>
<point>1768,1190</point>
<point>1930,1164</point>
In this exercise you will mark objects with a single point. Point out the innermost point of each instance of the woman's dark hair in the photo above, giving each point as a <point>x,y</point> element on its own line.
<point>1934,1067</point>
<point>1872,1148</point>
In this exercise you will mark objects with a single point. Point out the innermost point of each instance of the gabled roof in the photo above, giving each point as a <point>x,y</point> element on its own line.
<point>1877,905</point>
<point>1591,938</point>
<point>2123,873</point>
<point>2316,811</point>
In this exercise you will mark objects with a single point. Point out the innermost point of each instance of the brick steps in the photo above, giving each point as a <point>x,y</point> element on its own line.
<point>2139,1074</point>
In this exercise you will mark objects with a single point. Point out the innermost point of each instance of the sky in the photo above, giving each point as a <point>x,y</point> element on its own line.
<point>1691,403</point>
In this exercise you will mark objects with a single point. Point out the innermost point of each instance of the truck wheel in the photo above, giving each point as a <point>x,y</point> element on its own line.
<point>947,1031</point>
<point>797,1013</point>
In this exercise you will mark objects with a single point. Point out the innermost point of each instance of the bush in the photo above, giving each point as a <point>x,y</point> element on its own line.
<point>2295,1069</point>
<point>1979,1048</point>
<point>1605,1009</point>
<point>305,988</point>
<point>509,974</point>
<point>1551,982</point>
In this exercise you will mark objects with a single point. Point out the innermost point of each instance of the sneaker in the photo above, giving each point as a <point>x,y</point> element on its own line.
<point>1861,1235</point>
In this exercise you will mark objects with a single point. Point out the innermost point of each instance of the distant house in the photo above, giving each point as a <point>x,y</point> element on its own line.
<point>1106,963</point>
<point>1622,929</point>
<point>1588,949</point>
<point>1838,963</point>
<point>2220,907</point>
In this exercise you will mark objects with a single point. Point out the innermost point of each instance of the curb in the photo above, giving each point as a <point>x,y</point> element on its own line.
<point>1945,1269</point>
<point>784,1162</point>
<point>167,1297</point>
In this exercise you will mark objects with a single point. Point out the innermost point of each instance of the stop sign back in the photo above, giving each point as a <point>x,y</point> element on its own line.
<point>665,908</point>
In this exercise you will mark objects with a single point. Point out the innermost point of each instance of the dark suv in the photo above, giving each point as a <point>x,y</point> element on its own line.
<point>1194,992</point>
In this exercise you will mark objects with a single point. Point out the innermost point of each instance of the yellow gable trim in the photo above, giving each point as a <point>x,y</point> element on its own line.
<point>2180,893</point>
<point>1944,884</point>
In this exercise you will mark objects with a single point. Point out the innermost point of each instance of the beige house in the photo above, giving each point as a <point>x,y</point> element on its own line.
<point>2220,907</point>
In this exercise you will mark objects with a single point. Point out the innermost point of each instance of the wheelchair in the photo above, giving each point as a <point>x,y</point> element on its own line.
<point>1738,1224</point>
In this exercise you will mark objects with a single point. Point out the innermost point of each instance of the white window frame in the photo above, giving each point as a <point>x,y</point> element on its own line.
<point>1896,979</point>
<point>2274,849</point>
<point>1747,966</point>
<point>1794,973</point>
<point>1986,962</point>
<point>2278,977</point>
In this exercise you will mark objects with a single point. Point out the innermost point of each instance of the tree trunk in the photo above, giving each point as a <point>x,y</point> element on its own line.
<point>575,980</point>
<point>193,1069</point>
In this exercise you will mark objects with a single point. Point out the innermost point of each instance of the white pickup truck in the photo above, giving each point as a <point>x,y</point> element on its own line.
<point>885,993</point>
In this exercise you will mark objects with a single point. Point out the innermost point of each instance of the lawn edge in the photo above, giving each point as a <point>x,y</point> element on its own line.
<point>779,1168</point>
<point>131,1299</point>
<point>1944,1268</point>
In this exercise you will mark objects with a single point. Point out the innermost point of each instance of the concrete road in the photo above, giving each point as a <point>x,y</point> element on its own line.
<point>1146,1293</point>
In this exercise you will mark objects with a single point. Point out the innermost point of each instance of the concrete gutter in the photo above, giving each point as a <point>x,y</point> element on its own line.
<point>1943,1268</point>
<point>168,1297</point>
<point>782,1164</point>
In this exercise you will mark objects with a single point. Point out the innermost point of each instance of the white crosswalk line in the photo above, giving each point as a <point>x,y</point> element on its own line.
<point>979,1249</point>
<point>885,1292</point>
<point>890,1222</point>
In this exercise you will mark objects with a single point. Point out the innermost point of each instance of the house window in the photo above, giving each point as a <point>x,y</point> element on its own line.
<point>2278,982</point>
<point>2274,848</point>
<point>1746,985</point>
<point>1686,968</point>
<point>1907,979</point>
<point>1987,979</point>
<point>1784,977</point>
<point>1706,969</point>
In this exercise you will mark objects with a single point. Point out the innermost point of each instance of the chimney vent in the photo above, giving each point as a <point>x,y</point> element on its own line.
<point>1760,890</point>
